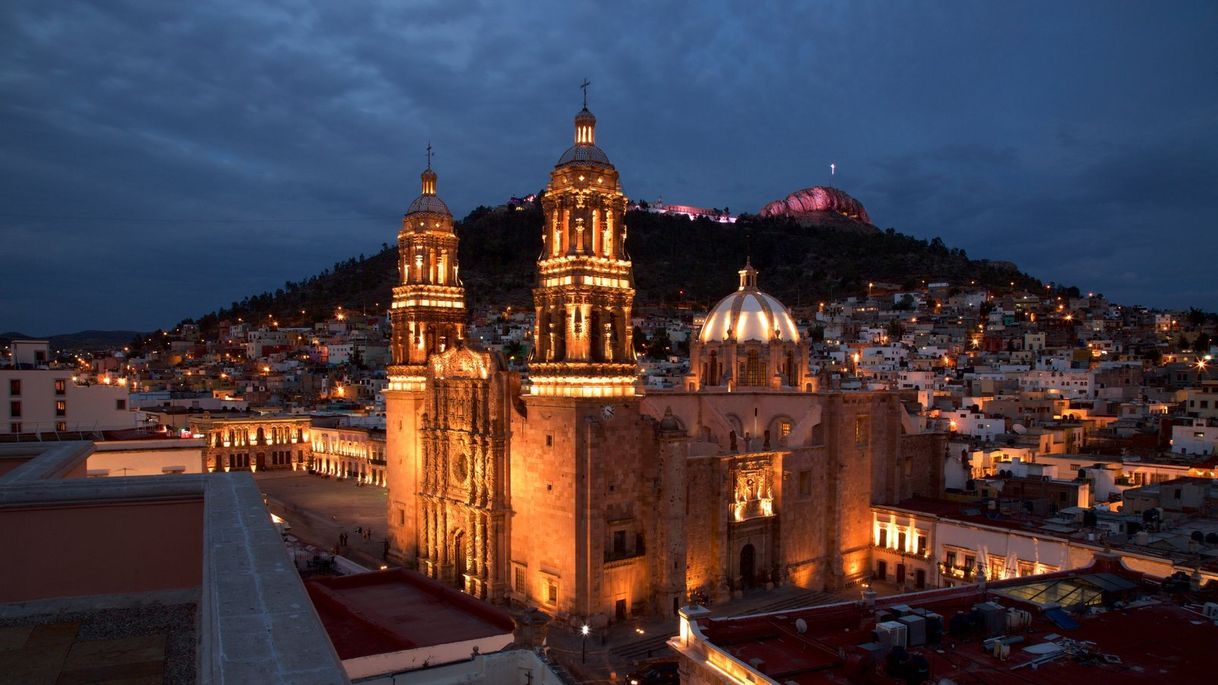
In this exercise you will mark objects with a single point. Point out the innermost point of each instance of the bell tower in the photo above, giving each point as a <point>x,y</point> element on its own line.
<point>583,343</point>
<point>428,313</point>
<point>428,317</point>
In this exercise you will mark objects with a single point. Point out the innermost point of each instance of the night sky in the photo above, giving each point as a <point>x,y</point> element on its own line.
<point>162,159</point>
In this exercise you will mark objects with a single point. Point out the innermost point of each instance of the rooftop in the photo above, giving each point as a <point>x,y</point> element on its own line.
<point>398,610</point>
<point>1095,629</point>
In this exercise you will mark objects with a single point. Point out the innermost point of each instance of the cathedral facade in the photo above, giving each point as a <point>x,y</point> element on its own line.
<point>569,489</point>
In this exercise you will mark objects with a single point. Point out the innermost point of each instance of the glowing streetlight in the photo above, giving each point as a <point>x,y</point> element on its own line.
<point>583,651</point>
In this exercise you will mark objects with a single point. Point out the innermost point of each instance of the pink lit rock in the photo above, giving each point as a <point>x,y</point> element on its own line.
<point>815,200</point>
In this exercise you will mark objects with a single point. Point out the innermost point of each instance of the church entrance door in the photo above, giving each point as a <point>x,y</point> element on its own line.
<point>747,565</point>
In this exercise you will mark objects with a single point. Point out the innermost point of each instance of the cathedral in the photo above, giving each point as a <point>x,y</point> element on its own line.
<point>568,488</point>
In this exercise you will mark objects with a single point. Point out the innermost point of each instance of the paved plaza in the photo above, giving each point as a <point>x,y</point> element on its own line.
<point>319,509</point>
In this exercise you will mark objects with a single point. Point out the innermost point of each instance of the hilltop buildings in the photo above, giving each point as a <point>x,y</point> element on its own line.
<point>573,490</point>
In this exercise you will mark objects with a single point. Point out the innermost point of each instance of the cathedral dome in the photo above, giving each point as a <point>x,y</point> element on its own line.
<point>749,315</point>
<point>584,149</point>
<point>428,201</point>
<point>583,153</point>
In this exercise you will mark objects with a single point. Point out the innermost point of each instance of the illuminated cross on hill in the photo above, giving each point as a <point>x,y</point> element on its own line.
<point>584,87</point>
<point>832,169</point>
<point>429,154</point>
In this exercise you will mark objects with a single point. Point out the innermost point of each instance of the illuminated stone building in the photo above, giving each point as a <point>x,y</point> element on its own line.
<point>254,442</point>
<point>349,452</point>
<point>428,318</point>
<point>573,492</point>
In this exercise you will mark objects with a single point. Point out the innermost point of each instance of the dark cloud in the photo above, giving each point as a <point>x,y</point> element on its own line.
<point>163,159</point>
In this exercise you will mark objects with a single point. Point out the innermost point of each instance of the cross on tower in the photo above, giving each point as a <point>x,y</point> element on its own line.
<point>584,86</point>
<point>429,154</point>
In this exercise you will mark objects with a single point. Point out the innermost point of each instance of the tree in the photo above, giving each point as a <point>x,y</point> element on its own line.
<point>660,346</point>
<point>640,340</point>
<point>1202,343</point>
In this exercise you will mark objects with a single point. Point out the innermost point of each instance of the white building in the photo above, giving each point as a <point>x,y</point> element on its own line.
<point>49,400</point>
<point>975,424</point>
<point>1071,383</point>
<point>1195,439</point>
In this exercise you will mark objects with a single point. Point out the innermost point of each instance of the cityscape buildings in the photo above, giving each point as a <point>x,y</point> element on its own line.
<point>952,469</point>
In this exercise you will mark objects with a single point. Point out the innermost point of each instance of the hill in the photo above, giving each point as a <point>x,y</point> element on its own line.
<point>675,259</point>
<point>81,340</point>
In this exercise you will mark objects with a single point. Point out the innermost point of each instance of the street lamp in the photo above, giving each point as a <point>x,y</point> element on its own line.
<point>583,651</point>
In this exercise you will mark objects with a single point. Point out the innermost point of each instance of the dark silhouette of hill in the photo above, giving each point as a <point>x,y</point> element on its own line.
<point>675,259</point>
<point>81,340</point>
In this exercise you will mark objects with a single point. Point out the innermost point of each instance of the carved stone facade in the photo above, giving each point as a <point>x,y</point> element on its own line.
<point>255,443</point>
<point>463,496</point>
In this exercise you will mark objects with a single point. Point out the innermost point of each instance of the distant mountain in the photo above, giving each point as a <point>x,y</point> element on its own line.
<point>675,259</point>
<point>83,340</point>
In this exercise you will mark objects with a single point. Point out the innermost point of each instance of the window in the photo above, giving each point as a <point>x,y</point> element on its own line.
<point>120,405</point>
<point>901,541</point>
<point>60,386</point>
<point>61,408</point>
<point>805,483</point>
<point>14,387</point>
<point>551,591</point>
<point>619,543</point>
<point>401,517</point>
<point>922,545</point>
<point>14,427</point>
<point>549,440</point>
<point>950,559</point>
<point>862,428</point>
<point>519,584</point>
<point>784,428</point>
<point>883,538</point>
<point>61,425</point>
<point>14,409</point>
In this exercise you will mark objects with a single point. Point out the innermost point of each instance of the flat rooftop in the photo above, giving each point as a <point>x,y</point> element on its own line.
<point>1128,632</point>
<point>149,643</point>
<point>397,610</point>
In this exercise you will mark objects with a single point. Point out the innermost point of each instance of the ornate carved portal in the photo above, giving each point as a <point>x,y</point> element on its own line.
<point>753,490</point>
<point>463,482</point>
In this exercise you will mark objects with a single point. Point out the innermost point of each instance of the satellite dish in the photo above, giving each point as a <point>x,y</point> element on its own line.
<point>1018,428</point>
<point>801,626</point>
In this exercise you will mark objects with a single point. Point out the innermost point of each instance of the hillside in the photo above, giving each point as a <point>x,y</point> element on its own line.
<point>82,340</point>
<point>800,264</point>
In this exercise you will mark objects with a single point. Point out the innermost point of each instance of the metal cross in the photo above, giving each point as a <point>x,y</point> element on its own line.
<point>584,87</point>
<point>429,154</point>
